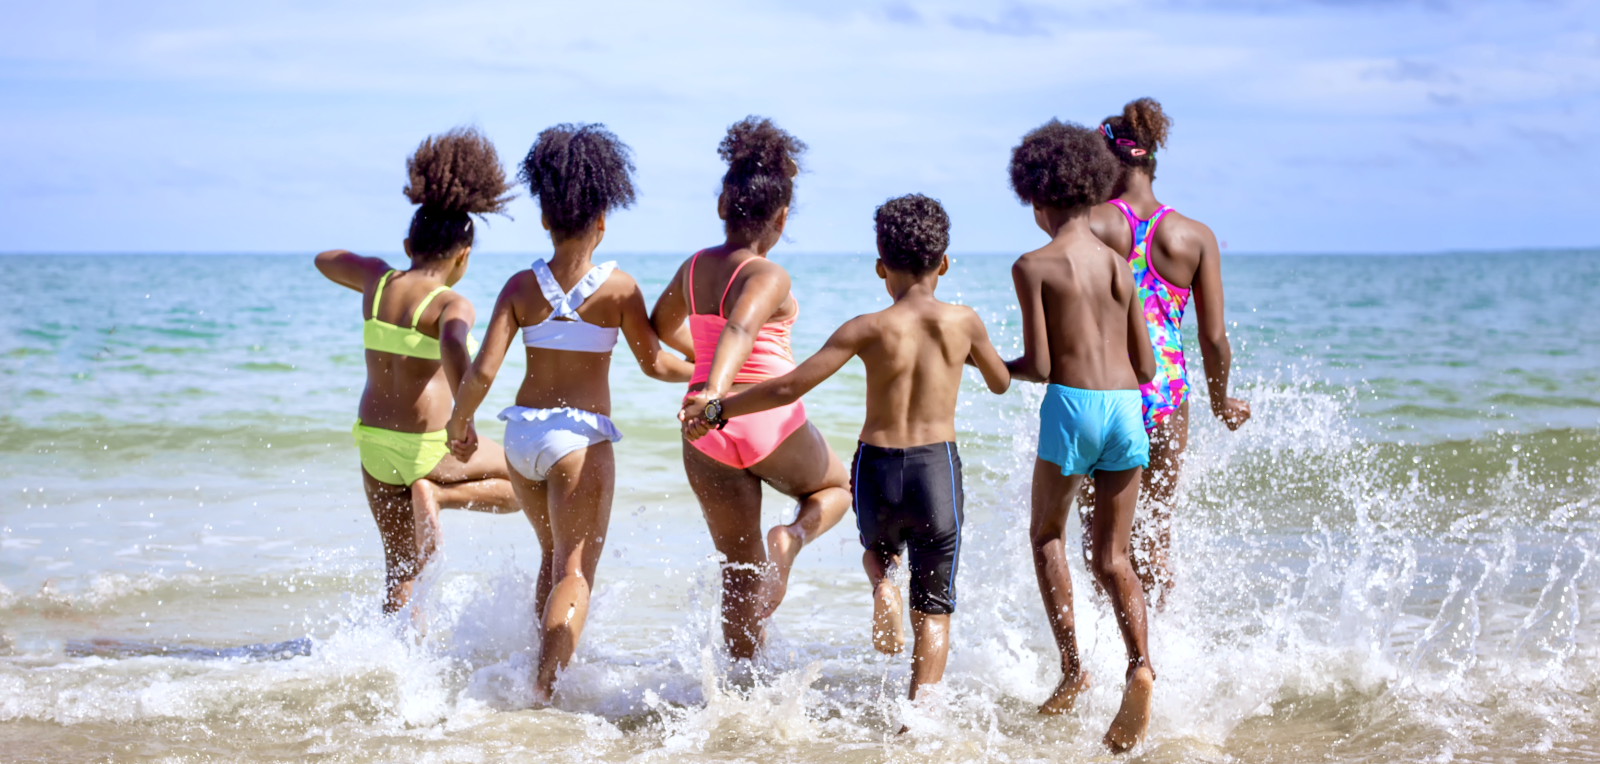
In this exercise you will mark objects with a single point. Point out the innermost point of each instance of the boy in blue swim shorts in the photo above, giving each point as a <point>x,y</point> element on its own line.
<point>1084,334</point>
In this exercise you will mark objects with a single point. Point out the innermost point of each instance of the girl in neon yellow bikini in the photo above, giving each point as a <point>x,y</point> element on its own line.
<point>418,346</point>
<point>1173,258</point>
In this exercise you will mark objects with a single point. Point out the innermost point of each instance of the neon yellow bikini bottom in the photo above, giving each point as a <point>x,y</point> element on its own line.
<point>399,458</point>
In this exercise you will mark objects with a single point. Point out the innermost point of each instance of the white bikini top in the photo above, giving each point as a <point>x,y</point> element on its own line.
<point>564,330</point>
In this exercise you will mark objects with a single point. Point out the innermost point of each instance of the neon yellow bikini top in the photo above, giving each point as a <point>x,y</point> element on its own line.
<point>407,341</point>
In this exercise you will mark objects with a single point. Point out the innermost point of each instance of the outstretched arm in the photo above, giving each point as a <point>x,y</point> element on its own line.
<point>784,390</point>
<point>1034,365</point>
<point>474,385</point>
<point>986,358</point>
<point>670,317</point>
<point>1214,346</point>
<point>348,269</point>
<point>655,362</point>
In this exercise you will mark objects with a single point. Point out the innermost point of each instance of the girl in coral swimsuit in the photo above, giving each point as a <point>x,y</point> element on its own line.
<point>730,307</point>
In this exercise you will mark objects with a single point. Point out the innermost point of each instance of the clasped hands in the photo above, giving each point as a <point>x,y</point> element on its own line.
<point>692,415</point>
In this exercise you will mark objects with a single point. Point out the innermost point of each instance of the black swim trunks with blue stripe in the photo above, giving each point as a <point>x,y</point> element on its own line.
<point>910,498</point>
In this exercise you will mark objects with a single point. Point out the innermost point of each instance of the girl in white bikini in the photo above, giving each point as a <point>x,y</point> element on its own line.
<point>559,435</point>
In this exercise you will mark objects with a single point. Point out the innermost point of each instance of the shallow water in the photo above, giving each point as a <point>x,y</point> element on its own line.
<point>1392,562</point>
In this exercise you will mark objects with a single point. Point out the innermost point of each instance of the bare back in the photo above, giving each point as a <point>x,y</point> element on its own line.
<point>1077,298</point>
<point>1178,249</point>
<point>403,393</point>
<point>567,378</point>
<point>914,352</point>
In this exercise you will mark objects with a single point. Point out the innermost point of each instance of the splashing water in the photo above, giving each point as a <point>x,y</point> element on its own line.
<point>1343,595</point>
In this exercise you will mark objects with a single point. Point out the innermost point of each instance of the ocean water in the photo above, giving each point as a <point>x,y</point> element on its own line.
<point>1393,561</point>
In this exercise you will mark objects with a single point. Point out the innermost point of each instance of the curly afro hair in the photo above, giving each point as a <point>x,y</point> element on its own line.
<point>762,162</point>
<point>452,176</point>
<point>1062,165</point>
<point>913,231</point>
<point>578,172</point>
<point>1134,136</point>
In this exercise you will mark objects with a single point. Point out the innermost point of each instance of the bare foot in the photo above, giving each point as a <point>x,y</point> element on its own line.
<point>1133,719</point>
<point>425,519</point>
<point>1066,694</point>
<point>888,619</point>
<point>783,545</point>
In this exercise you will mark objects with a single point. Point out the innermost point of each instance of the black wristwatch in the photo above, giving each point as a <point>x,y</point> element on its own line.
<point>713,413</point>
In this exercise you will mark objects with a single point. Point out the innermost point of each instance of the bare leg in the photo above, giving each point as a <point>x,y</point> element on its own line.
<point>1116,496</point>
<point>481,484</point>
<point>888,611</point>
<point>578,492</point>
<point>1052,498</point>
<point>804,467</point>
<point>730,499</point>
<point>930,650</point>
<point>402,557</point>
<point>1158,491</point>
<point>534,497</point>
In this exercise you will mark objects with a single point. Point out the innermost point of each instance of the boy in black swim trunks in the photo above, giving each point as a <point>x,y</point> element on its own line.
<point>906,474</point>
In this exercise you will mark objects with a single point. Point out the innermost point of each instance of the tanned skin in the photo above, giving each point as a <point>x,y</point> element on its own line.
<point>571,509</point>
<point>1185,253</point>
<point>1082,327</point>
<point>756,575</point>
<point>407,394</point>
<point>914,351</point>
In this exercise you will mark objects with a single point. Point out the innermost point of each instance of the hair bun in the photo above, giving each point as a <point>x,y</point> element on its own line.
<point>458,171</point>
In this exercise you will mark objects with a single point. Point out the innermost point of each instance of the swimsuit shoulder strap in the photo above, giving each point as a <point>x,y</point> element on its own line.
<point>377,294</point>
<point>590,283</point>
<point>1133,223</point>
<point>551,289</point>
<point>1150,226</point>
<point>691,281</point>
<point>417,315</point>
<point>729,287</point>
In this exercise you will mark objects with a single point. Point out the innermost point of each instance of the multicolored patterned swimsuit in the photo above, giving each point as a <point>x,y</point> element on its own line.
<point>1163,312</point>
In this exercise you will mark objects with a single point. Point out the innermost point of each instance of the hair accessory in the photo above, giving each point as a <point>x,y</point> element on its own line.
<point>1136,152</point>
<point>1125,142</point>
<point>1106,128</point>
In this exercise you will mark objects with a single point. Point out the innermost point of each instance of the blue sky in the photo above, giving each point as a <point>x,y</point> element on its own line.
<point>1337,126</point>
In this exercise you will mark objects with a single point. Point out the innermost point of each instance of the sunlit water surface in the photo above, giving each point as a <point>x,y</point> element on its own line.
<point>1393,561</point>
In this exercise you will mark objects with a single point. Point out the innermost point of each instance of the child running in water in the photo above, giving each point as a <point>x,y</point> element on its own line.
<point>1083,332</point>
<point>1174,258</point>
<point>906,473</point>
<point>417,347</point>
<point>559,435</point>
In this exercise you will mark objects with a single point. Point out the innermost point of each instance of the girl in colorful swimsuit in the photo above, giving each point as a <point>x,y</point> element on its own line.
<point>559,433</point>
<point>730,308</point>
<point>418,345</point>
<point>1174,258</point>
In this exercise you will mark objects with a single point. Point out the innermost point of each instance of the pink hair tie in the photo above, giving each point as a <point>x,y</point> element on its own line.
<point>1125,142</point>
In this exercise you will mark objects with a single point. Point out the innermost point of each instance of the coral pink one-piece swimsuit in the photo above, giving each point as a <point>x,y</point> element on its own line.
<point>748,439</point>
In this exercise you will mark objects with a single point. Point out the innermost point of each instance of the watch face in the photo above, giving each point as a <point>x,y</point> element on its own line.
<point>714,410</point>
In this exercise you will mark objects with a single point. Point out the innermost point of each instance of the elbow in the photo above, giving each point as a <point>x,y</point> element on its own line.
<point>1145,374</point>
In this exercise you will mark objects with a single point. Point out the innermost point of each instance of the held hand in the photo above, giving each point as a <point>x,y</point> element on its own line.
<point>695,425</point>
<point>1233,412</point>
<point>462,438</point>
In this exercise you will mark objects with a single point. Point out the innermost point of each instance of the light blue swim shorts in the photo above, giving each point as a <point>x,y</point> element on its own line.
<point>1083,431</point>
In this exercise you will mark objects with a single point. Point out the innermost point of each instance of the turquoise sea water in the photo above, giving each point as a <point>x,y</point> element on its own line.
<point>1392,561</point>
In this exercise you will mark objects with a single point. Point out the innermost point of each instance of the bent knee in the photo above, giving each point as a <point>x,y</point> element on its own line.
<point>1104,565</point>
